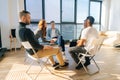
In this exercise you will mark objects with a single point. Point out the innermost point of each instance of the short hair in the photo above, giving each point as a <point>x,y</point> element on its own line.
<point>52,22</point>
<point>91,19</point>
<point>23,13</point>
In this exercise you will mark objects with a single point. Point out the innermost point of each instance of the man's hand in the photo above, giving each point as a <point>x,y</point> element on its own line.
<point>52,41</point>
<point>48,47</point>
<point>78,41</point>
<point>81,42</point>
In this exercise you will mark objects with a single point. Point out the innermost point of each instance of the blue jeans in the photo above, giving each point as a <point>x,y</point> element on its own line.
<point>60,42</point>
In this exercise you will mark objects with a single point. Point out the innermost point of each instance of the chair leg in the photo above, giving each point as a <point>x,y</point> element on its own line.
<point>10,44</point>
<point>46,66</point>
<point>96,64</point>
<point>15,42</point>
<point>39,71</point>
<point>29,67</point>
<point>84,67</point>
<point>41,66</point>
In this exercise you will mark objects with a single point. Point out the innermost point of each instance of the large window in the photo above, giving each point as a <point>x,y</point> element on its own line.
<point>35,8</point>
<point>68,9</point>
<point>68,14</point>
<point>82,10</point>
<point>52,10</point>
<point>95,10</point>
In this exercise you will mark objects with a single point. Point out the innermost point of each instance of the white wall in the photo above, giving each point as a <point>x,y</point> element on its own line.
<point>114,23</point>
<point>105,14</point>
<point>9,18</point>
<point>111,15</point>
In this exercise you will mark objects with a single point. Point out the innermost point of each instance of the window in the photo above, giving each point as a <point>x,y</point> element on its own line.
<point>52,10</point>
<point>95,10</point>
<point>68,10</point>
<point>35,8</point>
<point>66,13</point>
<point>82,10</point>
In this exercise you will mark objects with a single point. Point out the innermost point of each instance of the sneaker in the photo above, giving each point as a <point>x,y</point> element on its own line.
<point>79,66</point>
<point>65,65</point>
<point>56,64</point>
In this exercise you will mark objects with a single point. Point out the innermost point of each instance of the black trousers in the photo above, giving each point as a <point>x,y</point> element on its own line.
<point>74,51</point>
<point>73,43</point>
<point>60,41</point>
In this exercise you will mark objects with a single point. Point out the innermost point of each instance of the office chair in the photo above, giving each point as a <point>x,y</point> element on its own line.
<point>91,53</point>
<point>41,63</point>
<point>13,39</point>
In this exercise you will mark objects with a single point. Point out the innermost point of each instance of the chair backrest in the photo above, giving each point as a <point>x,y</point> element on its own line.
<point>13,33</point>
<point>27,45</point>
<point>97,45</point>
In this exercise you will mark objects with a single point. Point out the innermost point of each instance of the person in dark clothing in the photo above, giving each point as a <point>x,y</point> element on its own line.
<point>40,32</point>
<point>25,34</point>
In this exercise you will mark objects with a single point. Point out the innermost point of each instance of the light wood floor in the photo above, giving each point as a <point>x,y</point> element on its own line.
<point>108,60</point>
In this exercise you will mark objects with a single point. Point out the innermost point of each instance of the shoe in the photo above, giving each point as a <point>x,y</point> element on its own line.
<point>57,67</point>
<point>79,66</point>
<point>86,64</point>
<point>56,64</point>
<point>60,67</point>
<point>65,65</point>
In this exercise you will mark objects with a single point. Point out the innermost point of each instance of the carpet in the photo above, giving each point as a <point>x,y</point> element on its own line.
<point>17,72</point>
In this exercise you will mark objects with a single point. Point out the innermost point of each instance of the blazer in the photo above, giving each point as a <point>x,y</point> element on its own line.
<point>49,31</point>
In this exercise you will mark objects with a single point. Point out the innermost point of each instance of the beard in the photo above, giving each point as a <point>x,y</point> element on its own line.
<point>27,22</point>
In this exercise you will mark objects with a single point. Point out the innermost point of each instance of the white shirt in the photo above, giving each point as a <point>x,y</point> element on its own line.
<point>89,34</point>
<point>53,33</point>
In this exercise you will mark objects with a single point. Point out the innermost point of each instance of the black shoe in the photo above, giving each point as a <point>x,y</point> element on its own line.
<point>86,64</point>
<point>59,66</point>
<point>79,66</point>
<point>56,64</point>
<point>65,65</point>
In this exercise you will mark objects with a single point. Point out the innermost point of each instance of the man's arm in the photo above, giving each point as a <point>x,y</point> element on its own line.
<point>81,42</point>
<point>33,41</point>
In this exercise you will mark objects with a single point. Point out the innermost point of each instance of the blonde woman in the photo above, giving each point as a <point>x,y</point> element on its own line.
<point>41,31</point>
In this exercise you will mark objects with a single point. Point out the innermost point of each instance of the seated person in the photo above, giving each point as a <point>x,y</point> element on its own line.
<point>88,34</point>
<point>75,41</point>
<point>54,36</point>
<point>41,31</point>
<point>26,34</point>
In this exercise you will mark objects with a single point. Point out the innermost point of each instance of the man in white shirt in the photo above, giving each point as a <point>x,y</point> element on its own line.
<point>88,34</point>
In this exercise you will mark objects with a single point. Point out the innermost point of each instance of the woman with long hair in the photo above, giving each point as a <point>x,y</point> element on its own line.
<point>41,31</point>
